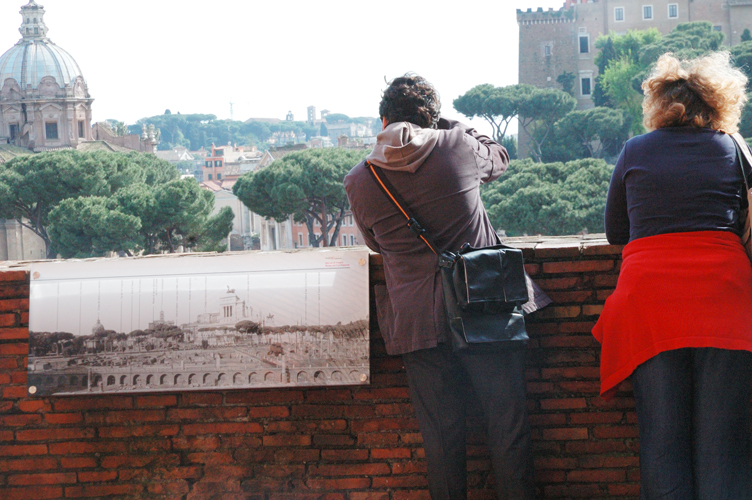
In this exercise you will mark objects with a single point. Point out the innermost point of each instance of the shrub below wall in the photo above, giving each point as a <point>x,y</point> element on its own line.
<point>338,443</point>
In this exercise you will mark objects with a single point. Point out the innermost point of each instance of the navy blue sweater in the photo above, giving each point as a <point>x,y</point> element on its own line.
<point>674,180</point>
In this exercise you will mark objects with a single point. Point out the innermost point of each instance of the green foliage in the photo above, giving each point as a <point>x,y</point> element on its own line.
<point>92,226</point>
<point>510,144</point>
<point>87,204</point>
<point>549,198</point>
<point>745,127</point>
<point>336,118</point>
<point>566,80</point>
<point>538,110</point>
<point>497,105</point>
<point>601,130</point>
<point>307,185</point>
<point>742,57</point>
<point>746,35</point>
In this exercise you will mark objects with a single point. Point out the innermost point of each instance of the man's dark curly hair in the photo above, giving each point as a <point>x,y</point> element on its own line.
<point>410,98</point>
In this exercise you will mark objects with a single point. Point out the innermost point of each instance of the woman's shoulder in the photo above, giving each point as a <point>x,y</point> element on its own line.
<point>679,136</point>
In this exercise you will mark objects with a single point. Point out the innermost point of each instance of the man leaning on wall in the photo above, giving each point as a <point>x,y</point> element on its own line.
<point>437,167</point>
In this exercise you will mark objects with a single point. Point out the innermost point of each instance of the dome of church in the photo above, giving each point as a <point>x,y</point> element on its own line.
<point>35,57</point>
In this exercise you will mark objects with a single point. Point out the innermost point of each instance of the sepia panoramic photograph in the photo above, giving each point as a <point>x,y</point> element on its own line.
<point>254,320</point>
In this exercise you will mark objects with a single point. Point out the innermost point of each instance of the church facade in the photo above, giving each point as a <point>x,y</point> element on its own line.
<point>44,100</point>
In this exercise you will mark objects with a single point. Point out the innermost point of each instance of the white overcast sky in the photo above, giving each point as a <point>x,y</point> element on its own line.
<point>140,57</point>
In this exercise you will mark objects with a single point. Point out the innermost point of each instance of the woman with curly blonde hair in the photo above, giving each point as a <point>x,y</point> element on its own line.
<point>680,320</point>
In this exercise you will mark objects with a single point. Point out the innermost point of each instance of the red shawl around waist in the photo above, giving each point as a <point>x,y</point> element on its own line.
<point>675,290</point>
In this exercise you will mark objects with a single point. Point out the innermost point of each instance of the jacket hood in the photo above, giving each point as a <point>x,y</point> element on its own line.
<point>403,146</point>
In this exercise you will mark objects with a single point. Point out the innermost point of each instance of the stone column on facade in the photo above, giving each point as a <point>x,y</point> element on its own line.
<point>14,239</point>
<point>3,241</point>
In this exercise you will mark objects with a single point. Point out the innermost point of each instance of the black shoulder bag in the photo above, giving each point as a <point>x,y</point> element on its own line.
<point>484,288</point>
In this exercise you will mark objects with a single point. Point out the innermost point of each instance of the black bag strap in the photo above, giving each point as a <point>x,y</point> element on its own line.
<point>445,258</point>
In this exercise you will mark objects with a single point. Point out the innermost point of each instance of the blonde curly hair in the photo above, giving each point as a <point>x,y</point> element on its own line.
<point>703,92</point>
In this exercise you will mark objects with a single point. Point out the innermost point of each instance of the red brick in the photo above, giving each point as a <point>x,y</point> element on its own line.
<point>576,327</point>
<point>19,305</point>
<point>139,431</point>
<point>14,349</point>
<point>596,476</point>
<point>550,284</point>
<point>387,393</point>
<point>378,440</point>
<point>344,455</point>
<point>620,431</point>
<point>608,462</point>
<point>624,490</point>
<point>253,397</point>
<point>550,476</point>
<point>586,372</point>
<point>334,440</point>
<point>287,440</point>
<point>55,434</point>
<point>77,462</point>
<point>14,333</point>
<point>123,417</point>
<point>572,491</point>
<point>532,269</point>
<point>563,404</point>
<point>374,469</point>
<point>592,310</point>
<point>555,463</point>
<point>605,280</point>
<point>37,479</point>
<point>83,447</point>
<point>577,296</point>
<point>578,356</point>
<point>63,418</point>
<point>10,319</point>
<point>160,401</point>
<point>400,481</point>
<point>19,420</point>
<point>211,458</point>
<point>559,312</point>
<point>390,453</point>
<point>8,363</point>
<point>590,447</point>
<point>384,424</point>
<point>22,450</point>
<point>199,414</point>
<point>557,419</point>
<point>351,483</point>
<point>596,418</point>
<point>371,495</point>
<point>90,404</point>
<point>603,294</point>
<point>591,386</point>
<point>566,434</point>
<point>578,266</point>
<point>102,491</point>
<point>601,249</point>
<point>33,405</point>
<point>268,412</point>
<point>177,488</point>
<point>38,493</point>
<point>26,464</point>
<point>25,318</point>
<point>93,477</point>
<point>574,341</point>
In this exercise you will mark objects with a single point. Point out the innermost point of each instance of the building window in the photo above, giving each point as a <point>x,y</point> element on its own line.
<point>547,51</point>
<point>13,131</point>
<point>209,176</point>
<point>208,164</point>
<point>217,163</point>
<point>647,12</point>
<point>352,240</point>
<point>28,31</point>
<point>717,28</point>
<point>219,177</point>
<point>81,129</point>
<point>50,129</point>
<point>584,44</point>
<point>585,86</point>
<point>344,240</point>
<point>673,10</point>
<point>300,239</point>
<point>36,31</point>
<point>618,14</point>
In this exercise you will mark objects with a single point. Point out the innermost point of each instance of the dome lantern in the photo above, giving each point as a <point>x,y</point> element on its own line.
<point>33,21</point>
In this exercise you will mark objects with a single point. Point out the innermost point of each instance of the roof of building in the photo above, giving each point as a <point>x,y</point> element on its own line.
<point>216,186</point>
<point>35,56</point>
<point>8,152</point>
<point>174,155</point>
<point>101,146</point>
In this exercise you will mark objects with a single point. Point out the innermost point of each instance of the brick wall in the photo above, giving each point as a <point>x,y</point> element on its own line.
<point>340,443</point>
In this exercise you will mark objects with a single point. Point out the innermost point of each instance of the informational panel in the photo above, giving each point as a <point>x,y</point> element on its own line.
<point>242,321</point>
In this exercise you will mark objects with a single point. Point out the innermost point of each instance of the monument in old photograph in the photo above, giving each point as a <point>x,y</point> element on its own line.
<point>254,320</point>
